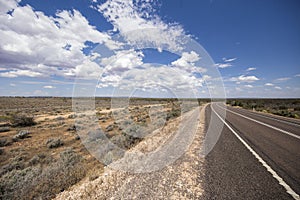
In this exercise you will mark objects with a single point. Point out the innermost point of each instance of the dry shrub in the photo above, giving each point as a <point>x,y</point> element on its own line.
<point>38,182</point>
<point>22,121</point>
<point>5,142</point>
<point>54,143</point>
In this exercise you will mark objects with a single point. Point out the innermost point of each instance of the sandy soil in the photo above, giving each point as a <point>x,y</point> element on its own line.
<point>179,180</point>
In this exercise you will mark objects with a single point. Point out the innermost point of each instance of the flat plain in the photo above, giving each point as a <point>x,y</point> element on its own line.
<point>42,154</point>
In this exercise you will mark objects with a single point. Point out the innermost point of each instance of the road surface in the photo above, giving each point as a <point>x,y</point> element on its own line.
<point>256,157</point>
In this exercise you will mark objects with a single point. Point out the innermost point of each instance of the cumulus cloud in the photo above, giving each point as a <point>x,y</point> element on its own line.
<point>190,57</point>
<point>251,69</point>
<point>244,78</point>
<point>36,45</point>
<point>88,70</point>
<point>8,5</point>
<point>249,86</point>
<point>134,22</point>
<point>122,61</point>
<point>30,38</point>
<point>187,62</point>
<point>150,78</point>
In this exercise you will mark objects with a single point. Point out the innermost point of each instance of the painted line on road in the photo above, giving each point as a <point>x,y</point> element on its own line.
<point>262,123</point>
<point>288,189</point>
<point>267,117</point>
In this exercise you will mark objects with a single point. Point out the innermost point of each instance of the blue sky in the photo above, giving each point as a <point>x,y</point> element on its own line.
<point>45,46</point>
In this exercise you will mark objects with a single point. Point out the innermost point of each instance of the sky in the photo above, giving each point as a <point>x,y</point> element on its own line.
<point>151,48</point>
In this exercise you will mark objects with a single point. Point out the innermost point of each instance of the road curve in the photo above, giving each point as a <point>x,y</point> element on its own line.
<point>233,172</point>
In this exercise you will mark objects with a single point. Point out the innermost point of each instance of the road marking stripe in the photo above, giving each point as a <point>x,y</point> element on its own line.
<point>268,125</point>
<point>261,115</point>
<point>288,189</point>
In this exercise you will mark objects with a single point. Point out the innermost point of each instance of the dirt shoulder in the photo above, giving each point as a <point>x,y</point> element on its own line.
<point>179,180</point>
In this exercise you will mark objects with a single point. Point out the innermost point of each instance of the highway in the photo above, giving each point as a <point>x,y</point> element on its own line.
<point>256,157</point>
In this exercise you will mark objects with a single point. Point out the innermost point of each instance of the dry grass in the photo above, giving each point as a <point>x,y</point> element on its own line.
<point>41,153</point>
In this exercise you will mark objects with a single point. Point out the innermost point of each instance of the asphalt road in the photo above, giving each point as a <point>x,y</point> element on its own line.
<point>232,171</point>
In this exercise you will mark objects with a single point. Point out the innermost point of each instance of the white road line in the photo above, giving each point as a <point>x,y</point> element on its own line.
<point>268,125</point>
<point>288,189</point>
<point>261,115</point>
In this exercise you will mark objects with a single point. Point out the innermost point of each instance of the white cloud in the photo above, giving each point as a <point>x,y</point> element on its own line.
<point>229,59</point>
<point>278,88</point>
<point>122,61</point>
<point>251,69</point>
<point>187,62</point>
<point>134,21</point>
<point>249,86</point>
<point>283,79</point>
<point>30,38</point>
<point>126,70</point>
<point>269,84</point>
<point>190,57</point>
<point>49,87</point>
<point>206,77</point>
<point>87,70</point>
<point>154,78</point>
<point>223,65</point>
<point>227,62</point>
<point>244,78</point>
<point>8,5</point>
<point>238,89</point>
<point>16,73</point>
<point>12,85</point>
<point>297,75</point>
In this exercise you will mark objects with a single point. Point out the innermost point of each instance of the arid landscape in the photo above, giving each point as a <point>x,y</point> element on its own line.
<point>40,145</point>
<point>42,154</point>
<point>149,99</point>
<point>281,107</point>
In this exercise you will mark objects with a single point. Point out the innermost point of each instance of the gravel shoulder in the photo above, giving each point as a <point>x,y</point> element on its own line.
<point>179,180</point>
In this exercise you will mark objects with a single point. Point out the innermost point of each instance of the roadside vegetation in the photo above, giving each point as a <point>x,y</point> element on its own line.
<point>282,107</point>
<point>41,153</point>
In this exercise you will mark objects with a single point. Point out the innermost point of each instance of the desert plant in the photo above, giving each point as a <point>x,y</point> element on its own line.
<point>16,163</point>
<point>173,114</point>
<point>22,120</point>
<point>4,129</point>
<point>36,182</point>
<point>54,143</point>
<point>5,142</point>
<point>21,135</point>
<point>109,128</point>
